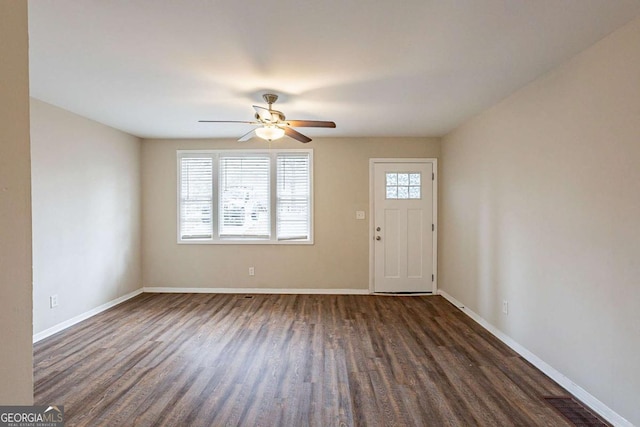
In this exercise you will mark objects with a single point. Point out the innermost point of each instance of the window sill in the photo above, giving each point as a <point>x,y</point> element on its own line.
<point>245,242</point>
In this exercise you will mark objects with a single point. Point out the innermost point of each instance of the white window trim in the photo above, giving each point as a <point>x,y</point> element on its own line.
<point>216,240</point>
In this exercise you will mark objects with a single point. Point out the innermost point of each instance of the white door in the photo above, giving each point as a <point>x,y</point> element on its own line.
<point>403,221</point>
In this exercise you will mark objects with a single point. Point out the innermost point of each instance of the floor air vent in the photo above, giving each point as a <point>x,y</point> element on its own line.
<point>575,412</point>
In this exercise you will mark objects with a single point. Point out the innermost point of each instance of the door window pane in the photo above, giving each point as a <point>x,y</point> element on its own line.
<point>403,192</point>
<point>392,179</point>
<point>392,192</point>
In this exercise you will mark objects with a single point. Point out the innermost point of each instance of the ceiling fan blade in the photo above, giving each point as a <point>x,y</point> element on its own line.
<point>263,113</point>
<point>310,124</point>
<point>296,135</point>
<point>227,121</point>
<point>247,136</point>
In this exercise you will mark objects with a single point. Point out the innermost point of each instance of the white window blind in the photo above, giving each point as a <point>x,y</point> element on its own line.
<point>293,196</point>
<point>196,183</point>
<point>244,196</point>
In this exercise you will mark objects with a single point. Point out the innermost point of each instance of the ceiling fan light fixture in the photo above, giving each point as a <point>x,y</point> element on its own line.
<point>270,133</point>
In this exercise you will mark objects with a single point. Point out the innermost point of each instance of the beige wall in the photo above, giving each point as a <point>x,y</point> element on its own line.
<point>86,214</point>
<point>337,260</point>
<point>16,376</point>
<point>541,206</point>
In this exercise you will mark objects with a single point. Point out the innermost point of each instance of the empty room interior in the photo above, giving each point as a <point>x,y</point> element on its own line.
<point>321,213</point>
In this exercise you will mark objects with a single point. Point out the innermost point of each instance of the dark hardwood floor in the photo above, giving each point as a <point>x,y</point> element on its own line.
<point>288,360</point>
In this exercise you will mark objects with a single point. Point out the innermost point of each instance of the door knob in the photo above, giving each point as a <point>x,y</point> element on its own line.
<point>377,228</point>
<point>378,237</point>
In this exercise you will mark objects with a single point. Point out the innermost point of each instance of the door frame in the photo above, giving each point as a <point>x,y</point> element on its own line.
<point>434,183</point>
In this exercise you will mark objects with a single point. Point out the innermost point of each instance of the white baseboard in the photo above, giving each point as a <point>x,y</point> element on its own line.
<point>256,291</point>
<point>79,318</point>
<point>580,393</point>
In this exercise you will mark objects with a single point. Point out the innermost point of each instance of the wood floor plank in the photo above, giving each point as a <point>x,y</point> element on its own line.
<point>274,360</point>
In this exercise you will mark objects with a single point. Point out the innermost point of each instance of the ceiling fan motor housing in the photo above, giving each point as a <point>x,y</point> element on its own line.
<point>270,98</point>
<point>276,116</point>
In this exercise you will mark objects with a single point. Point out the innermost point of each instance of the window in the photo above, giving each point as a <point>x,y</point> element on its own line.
<point>403,185</point>
<point>244,196</point>
<point>248,196</point>
<point>196,174</point>
<point>294,197</point>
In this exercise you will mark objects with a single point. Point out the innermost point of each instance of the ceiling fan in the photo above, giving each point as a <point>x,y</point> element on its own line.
<point>273,124</point>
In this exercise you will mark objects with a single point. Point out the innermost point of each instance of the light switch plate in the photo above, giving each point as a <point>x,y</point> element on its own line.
<point>359,214</point>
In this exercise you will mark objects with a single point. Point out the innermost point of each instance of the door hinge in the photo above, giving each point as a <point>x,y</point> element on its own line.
<point>432,278</point>
<point>433,176</point>
<point>433,227</point>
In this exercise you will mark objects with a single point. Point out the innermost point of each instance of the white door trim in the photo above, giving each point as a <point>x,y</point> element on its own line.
<point>372,163</point>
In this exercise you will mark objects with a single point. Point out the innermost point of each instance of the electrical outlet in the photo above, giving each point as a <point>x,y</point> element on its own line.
<point>252,271</point>
<point>53,301</point>
<point>505,307</point>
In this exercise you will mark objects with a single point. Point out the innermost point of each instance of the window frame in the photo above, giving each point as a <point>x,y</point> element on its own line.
<point>215,239</point>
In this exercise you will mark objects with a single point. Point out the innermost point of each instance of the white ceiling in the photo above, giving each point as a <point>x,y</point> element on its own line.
<point>153,68</point>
